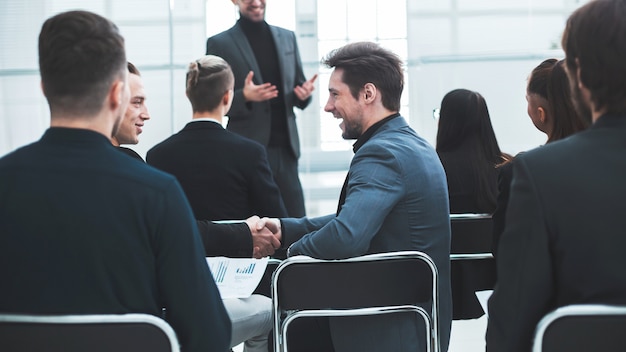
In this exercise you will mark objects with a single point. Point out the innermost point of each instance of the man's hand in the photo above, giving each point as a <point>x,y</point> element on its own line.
<point>264,241</point>
<point>261,92</point>
<point>304,91</point>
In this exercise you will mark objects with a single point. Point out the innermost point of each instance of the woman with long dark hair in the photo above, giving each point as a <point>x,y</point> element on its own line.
<point>469,152</point>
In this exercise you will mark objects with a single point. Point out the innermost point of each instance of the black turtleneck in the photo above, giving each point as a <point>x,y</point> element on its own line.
<point>264,48</point>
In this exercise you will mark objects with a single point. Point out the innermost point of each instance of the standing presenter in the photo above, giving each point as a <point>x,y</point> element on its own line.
<point>269,82</point>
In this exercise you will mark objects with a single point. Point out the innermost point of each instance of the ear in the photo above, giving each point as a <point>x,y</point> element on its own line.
<point>542,114</point>
<point>226,97</point>
<point>116,94</point>
<point>227,100</point>
<point>369,93</point>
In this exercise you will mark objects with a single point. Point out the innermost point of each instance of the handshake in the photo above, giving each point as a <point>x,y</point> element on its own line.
<point>266,235</point>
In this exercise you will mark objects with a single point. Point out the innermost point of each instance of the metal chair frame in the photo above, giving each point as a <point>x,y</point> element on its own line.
<point>281,324</point>
<point>586,312</point>
<point>95,321</point>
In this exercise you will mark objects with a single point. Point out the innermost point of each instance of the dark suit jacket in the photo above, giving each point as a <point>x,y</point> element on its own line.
<point>225,176</point>
<point>253,119</point>
<point>564,239</point>
<point>111,235</point>
<point>229,240</point>
<point>505,176</point>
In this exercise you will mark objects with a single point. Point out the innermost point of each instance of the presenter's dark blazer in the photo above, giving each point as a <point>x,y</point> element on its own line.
<point>253,119</point>
<point>565,232</point>
<point>225,176</point>
<point>110,235</point>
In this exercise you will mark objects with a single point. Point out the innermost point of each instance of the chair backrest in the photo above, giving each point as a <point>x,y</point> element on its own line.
<point>94,333</point>
<point>375,280</point>
<point>472,236</point>
<point>582,327</point>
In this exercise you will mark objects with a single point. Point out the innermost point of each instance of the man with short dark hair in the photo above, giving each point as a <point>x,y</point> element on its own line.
<point>135,116</point>
<point>251,317</point>
<point>112,235</point>
<point>564,237</point>
<point>395,197</point>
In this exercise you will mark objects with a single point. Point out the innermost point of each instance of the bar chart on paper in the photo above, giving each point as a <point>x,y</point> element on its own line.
<point>236,277</point>
<point>218,268</point>
<point>246,270</point>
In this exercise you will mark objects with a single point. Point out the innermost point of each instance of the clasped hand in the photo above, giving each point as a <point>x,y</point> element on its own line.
<point>266,236</point>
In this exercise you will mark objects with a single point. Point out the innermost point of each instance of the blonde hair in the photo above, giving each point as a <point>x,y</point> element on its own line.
<point>208,79</point>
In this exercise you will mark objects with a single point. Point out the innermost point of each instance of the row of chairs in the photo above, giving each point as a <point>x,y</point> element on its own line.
<point>368,285</point>
<point>570,328</point>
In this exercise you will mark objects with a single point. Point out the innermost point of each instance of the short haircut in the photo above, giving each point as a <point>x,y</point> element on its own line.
<point>208,79</point>
<point>595,35</point>
<point>133,69</point>
<point>80,55</point>
<point>367,62</point>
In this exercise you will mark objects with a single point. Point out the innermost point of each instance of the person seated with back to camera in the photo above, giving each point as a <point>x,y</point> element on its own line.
<point>552,111</point>
<point>469,151</point>
<point>249,317</point>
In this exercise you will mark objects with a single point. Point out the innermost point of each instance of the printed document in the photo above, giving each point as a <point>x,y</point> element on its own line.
<point>237,277</point>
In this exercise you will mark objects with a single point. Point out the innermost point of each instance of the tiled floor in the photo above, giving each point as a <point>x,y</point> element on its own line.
<point>466,336</point>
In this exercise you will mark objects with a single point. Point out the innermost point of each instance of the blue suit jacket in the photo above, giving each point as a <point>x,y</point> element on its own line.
<point>110,235</point>
<point>396,199</point>
<point>253,119</point>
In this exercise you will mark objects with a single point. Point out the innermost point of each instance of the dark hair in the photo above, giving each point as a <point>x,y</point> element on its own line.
<point>367,62</point>
<point>133,69</point>
<point>208,79</point>
<point>595,35</point>
<point>80,55</point>
<point>549,80</point>
<point>464,125</point>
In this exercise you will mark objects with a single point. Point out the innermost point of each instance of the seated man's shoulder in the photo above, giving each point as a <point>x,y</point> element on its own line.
<point>242,143</point>
<point>135,172</point>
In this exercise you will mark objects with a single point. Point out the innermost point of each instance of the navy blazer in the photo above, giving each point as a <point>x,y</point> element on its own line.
<point>225,176</point>
<point>396,199</point>
<point>253,119</point>
<point>85,229</point>
<point>564,236</point>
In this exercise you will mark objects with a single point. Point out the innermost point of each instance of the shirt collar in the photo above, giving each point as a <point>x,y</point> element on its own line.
<point>206,119</point>
<point>370,131</point>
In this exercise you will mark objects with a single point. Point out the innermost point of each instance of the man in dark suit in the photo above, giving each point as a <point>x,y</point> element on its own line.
<point>395,196</point>
<point>135,116</point>
<point>111,235</point>
<point>269,82</point>
<point>224,175</point>
<point>564,240</point>
<point>241,239</point>
<point>251,317</point>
